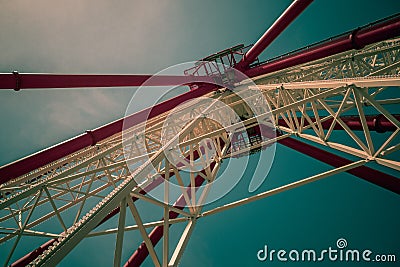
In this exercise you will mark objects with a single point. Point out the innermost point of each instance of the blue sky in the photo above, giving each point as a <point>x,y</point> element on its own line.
<point>148,36</point>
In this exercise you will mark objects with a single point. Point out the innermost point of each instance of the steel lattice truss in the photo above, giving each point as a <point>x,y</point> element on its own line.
<point>315,96</point>
<point>81,192</point>
<point>377,59</point>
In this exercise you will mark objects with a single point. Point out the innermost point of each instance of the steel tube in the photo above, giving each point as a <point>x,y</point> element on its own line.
<point>292,12</point>
<point>18,81</point>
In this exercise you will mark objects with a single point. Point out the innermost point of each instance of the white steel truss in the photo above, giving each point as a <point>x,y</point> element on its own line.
<point>309,101</point>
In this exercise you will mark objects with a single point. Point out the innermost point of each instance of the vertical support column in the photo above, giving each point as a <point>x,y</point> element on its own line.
<point>120,234</point>
<point>183,241</point>
<point>166,217</point>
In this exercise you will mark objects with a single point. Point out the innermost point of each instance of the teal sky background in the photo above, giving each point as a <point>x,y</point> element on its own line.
<point>148,36</point>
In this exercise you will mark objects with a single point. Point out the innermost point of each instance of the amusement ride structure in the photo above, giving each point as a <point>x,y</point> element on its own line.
<point>328,100</point>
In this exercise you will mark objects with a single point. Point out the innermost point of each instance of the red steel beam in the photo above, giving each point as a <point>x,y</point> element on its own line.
<point>291,13</point>
<point>25,260</point>
<point>373,176</point>
<point>355,40</point>
<point>32,162</point>
<point>19,81</point>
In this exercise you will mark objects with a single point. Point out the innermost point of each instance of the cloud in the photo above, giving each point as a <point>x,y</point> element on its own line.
<point>86,36</point>
<point>82,109</point>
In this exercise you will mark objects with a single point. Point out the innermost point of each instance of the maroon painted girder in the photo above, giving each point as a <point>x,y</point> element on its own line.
<point>18,81</point>
<point>290,14</point>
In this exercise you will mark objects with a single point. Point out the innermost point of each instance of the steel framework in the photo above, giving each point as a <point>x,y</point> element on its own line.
<point>325,101</point>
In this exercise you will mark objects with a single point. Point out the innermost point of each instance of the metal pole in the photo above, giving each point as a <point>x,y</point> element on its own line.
<point>292,12</point>
<point>18,81</point>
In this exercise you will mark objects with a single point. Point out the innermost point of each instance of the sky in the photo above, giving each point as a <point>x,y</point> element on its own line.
<point>144,37</point>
